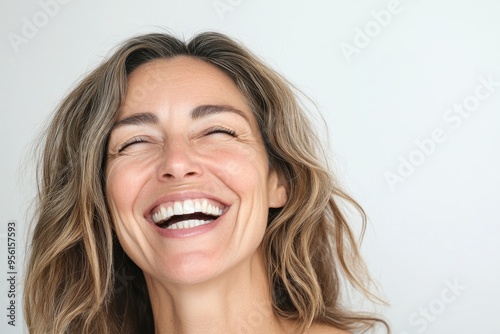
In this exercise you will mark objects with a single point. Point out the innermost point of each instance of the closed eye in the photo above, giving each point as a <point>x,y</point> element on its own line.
<point>132,141</point>
<point>222,130</point>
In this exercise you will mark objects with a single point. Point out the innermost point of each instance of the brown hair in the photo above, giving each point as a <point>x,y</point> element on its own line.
<point>78,277</point>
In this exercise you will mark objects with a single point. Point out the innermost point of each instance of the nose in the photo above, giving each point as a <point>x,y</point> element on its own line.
<point>179,162</point>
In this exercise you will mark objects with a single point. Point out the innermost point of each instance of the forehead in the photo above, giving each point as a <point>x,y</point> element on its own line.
<point>179,79</point>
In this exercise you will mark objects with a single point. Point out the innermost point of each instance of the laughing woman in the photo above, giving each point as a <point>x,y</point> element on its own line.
<point>182,190</point>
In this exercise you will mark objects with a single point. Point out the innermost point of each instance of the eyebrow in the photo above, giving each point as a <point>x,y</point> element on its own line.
<point>210,109</point>
<point>196,113</point>
<point>137,119</point>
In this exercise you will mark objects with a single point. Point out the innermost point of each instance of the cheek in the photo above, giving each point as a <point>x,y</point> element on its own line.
<point>241,165</point>
<point>245,172</point>
<point>124,181</point>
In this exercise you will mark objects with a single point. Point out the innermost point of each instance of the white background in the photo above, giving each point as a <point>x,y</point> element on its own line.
<point>437,227</point>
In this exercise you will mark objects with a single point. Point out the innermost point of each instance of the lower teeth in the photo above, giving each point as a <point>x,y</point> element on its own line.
<point>188,224</point>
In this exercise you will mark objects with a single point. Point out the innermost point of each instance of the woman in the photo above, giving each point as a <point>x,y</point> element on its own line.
<point>182,191</point>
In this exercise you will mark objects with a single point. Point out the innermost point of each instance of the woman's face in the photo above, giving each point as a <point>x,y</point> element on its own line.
<point>187,176</point>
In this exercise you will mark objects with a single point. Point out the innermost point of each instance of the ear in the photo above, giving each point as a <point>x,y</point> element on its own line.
<point>277,190</point>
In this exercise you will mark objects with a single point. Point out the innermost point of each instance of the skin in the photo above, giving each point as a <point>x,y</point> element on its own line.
<point>211,279</point>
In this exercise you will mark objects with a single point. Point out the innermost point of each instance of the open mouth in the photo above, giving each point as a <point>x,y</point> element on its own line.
<point>186,214</point>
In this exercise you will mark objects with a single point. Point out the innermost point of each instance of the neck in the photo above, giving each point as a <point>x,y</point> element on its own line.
<point>236,302</point>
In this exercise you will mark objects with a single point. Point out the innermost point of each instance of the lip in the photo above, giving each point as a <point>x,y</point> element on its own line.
<point>182,196</point>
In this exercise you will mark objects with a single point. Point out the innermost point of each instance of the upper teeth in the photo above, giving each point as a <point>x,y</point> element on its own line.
<point>186,207</point>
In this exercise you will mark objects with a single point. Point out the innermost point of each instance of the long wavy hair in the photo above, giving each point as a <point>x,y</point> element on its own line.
<point>79,279</point>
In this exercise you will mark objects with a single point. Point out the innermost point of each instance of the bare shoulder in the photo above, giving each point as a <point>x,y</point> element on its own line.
<point>325,329</point>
